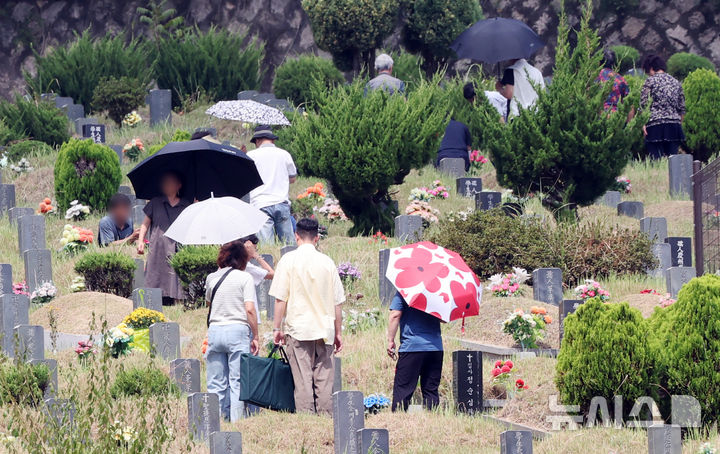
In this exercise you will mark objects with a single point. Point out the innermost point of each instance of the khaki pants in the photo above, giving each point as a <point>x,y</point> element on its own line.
<point>311,363</point>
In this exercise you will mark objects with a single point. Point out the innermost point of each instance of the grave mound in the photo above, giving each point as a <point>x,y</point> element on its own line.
<point>74,312</point>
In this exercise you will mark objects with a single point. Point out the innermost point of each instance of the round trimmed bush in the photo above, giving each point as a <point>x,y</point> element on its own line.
<point>146,381</point>
<point>627,57</point>
<point>26,149</point>
<point>109,272</point>
<point>605,352</point>
<point>702,120</point>
<point>86,171</point>
<point>294,79</point>
<point>192,264</point>
<point>683,63</point>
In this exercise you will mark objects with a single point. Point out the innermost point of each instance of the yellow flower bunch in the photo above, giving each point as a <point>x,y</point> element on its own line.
<point>142,318</point>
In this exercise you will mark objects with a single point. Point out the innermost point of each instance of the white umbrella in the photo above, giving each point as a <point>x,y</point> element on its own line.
<point>216,221</point>
<point>248,111</point>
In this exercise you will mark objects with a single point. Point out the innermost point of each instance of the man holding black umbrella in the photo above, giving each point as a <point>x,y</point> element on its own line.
<point>527,79</point>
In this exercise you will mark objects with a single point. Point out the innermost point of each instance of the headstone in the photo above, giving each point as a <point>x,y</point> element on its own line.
<point>203,415</point>
<point>31,232</point>
<point>139,275</point>
<point>160,107</point>
<point>409,228</point>
<point>611,199</point>
<point>265,301</point>
<point>348,418</point>
<point>337,374</point>
<point>16,212</point>
<point>633,209</point>
<point>186,373</point>
<point>664,439</point>
<point>487,200</point>
<point>60,413</point>
<point>6,279</point>
<point>226,443</point>
<point>150,298</point>
<point>165,340</point>
<point>31,342</point>
<point>386,288</point>
<point>118,149</point>
<point>680,168</point>
<point>123,189</point>
<point>455,167</point>
<point>567,307</point>
<point>62,101</point>
<point>662,252</point>
<point>373,441</point>
<point>7,198</point>
<point>38,268</point>
<point>80,122</point>
<point>94,132</point>
<point>247,94</point>
<point>468,187</point>
<point>516,442</point>
<point>74,111</point>
<point>52,386</point>
<point>285,249</point>
<point>680,250</point>
<point>547,285</point>
<point>138,215</point>
<point>280,104</point>
<point>263,98</point>
<point>467,381</point>
<point>676,277</point>
<point>14,311</point>
<point>212,131</point>
<point>655,228</point>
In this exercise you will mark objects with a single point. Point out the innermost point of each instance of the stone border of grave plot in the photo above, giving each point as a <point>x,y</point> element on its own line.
<point>503,352</point>
<point>537,434</point>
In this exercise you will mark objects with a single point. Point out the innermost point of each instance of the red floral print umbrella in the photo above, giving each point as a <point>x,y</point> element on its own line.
<point>435,280</point>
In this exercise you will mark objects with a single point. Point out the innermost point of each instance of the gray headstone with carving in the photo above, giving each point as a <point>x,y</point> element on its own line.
<point>468,187</point>
<point>611,199</point>
<point>16,212</point>
<point>38,268</point>
<point>567,307</point>
<point>409,228</point>
<point>680,168</point>
<point>662,253</point>
<point>547,285</point>
<point>373,441</point>
<point>348,418</point>
<point>165,340</point>
<point>7,198</point>
<point>655,228</point>
<point>160,107</point>
<point>6,279</point>
<point>31,342</point>
<point>14,311</point>
<point>455,167</point>
<point>150,298</point>
<point>467,381</point>
<point>516,442</point>
<point>676,277</point>
<point>31,232</point>
<point>226,443</point>
<point>186,374</point>
<point>487,200</point>
<point>632,209</point>
<point>203,415</point>
<point>664,439</point>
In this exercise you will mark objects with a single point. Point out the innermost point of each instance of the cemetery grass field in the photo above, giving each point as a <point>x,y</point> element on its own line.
<point>366,367</point>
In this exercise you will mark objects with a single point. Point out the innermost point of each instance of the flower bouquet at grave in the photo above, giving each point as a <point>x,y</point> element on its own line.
<point>46,206</point>
<point>504,381</point>
<point>124,436</point>
<point>348,272</point>
<point>508,284</point>
<point>132,119</point>
<point>3,161</point>
<point>140,320</point>
<point>77,211</point>
<point>43,294</point>
<point>134,149</point>
<point>375,403</point>
<point>21,288</point>
<point>84,351</point>
<point>118,340</point>
<point>591,289</point>
<point>78,284</point>
<point>425,194</point>
<point>22,166</point>
<point>357,321</point>
<point>420,194</point>
<point>379,238</point>
<point>424,210</point>
<point>526,329</point>
<point>622,184</point>
<point>476,162</point>
<point>332,211</point>
<point>307,201</point>
<point>75,239</point>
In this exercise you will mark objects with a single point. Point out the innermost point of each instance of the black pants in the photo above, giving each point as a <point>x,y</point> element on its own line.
<point>427,366</point>
<point>657,150</point>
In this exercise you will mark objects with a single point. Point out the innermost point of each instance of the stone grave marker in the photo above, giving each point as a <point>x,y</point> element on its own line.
<point>38,268</point>
<point>264,98</point>
<point>31,232</point>
<point>680,174</point>
<point>212,131</point>
<point>611,199</point>
<point>664,439</point>
<point>285,249</point>
<point>468,187</point>
<point>455,167</point>
<point>139,275</point>
<point>226,443</point>
<point>150,298</point>
<point>348,418</point>
<point>186,373</point>
<point>62,101</point>
<point>60,414</point>
<point>409,228</point>
<point>655,228</point>
<point>52,387</point>
<point>487,200</point>
<point>632,209</point>
<point>280,104</point>
<point>16,212</point>
<point>567,307</point>
<point>203,415</point>
<point>138,215</point>
<point>160,107</point>
<point>516,442</point>
<point>118,149</point>
<point>31,342</point>
<point>123,189</point>
<point>373,441</point>
<point>14,311</point>
<point>74,111</point>
<point>247,94</point>
<point>467,381</point>
<point>7,198</point>
<point>80,122</point>
<point>165,340</point>
<point>676,277</point>
<point>337,374</point>
<point>680,250</point>
<point>6,280</point>
<point>547,285</point>
<point>662,252</point>
<point>386,288</point>
<point>265,301</point>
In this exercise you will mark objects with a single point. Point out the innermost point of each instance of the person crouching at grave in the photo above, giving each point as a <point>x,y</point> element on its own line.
<point>232,326</point>
<point>420,354</point>
<point>456,143</point>
<point>116,228</point>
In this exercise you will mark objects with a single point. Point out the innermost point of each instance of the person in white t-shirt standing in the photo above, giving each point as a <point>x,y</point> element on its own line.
<point>526,75</point>
<point>277,170</point>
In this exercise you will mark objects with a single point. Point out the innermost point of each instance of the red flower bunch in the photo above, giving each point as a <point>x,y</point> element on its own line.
<point>45,206</point>
<point>520,384</point>
<point>502,367</point>
<point>379,237</point>
<point>649,291</point>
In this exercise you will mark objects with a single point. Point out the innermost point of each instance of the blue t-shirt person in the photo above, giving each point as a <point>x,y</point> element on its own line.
<point>455,143</point>
<point>419,331</point>
<point>110,232</point>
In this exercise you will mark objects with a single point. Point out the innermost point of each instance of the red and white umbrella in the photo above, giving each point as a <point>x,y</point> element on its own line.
<point>435,280</point>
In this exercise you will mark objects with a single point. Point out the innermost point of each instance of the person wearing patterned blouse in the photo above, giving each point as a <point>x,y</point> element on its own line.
<point>663,131</point>
<point>620,87</point>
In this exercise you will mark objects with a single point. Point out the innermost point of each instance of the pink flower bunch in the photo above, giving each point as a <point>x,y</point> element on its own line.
<point>476,157</point>
<point>508,284</point>
<point>666,300</point>
<point>591,289</point>
<point>624,184</point>
<point>21,288</point>
<point>439,191</point>
<point>84,349</point>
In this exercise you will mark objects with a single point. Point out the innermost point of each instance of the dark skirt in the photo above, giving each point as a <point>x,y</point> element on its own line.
<point>665,132</point>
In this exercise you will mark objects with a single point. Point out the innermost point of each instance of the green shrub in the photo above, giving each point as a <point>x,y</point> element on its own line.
<point>605,352</point>
<point>626,57</point>
<point>38,120</point>
<point>107,272</point>
<point>86,171</point>
<point>683,63</point>
<point>181,135</point>
<point>408,68</point>
<point>294,78</point>
<point>22,383</point>
<point>702,120</point>
<point>8,135</point>
<point>76,69</point>
<point>26,149</point>
<point>216,63</point>
<point>147,381</point>
<point>687,336</point>
<point>119,97</point>
<point>634,129</point>
<point>192,264</point>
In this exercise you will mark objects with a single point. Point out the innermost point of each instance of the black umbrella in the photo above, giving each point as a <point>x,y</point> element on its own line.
<point>497,39</point>
<point>205,167</point>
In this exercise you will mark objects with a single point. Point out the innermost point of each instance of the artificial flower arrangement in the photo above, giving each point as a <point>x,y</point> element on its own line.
<point>77,211</point>
<point>134,149</point>
<point>3,161</point>
<point>306,202</point>
<point>527,328</point>
<point>75,239</point>
<point>362,320</point>
<point>77,284</point>
<point>119,340</point>
<point>375,403</point>
<point>139,321</point>
<point>508,284</point>
<point>85,350</point>
<point>21,288</point>
<point>503,374</point>
<point>124,436</point>
<point>476,161</point>
<point>46,206</point>
<point>348,272</point>
<point>43,294</point>
<point>591,289</point>
<point>379,237</point>
<point>332,211</point>
<point>665,300</point>
<point>425,194</point>
<point>131,119</point>
<point>623,184</point>
<point>424,210</point>
<point>22,166</point>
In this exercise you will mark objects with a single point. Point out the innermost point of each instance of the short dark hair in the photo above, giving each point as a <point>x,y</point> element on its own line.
<point>609,58</point>
<point>234,255</point>
<point>307,229</point>
<point>508,77</point>
<point>200,134</point>
<point>469,91</point>
<point>118,200</point>
<point>655,63</point>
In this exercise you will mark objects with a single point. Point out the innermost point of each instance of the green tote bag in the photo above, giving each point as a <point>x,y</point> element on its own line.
<point>267,382</point>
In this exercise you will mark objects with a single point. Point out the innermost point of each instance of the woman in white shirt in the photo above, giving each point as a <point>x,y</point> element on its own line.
<point>232,326</point>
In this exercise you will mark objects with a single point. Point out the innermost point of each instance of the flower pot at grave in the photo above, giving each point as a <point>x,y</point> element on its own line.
<point>141,340</point>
